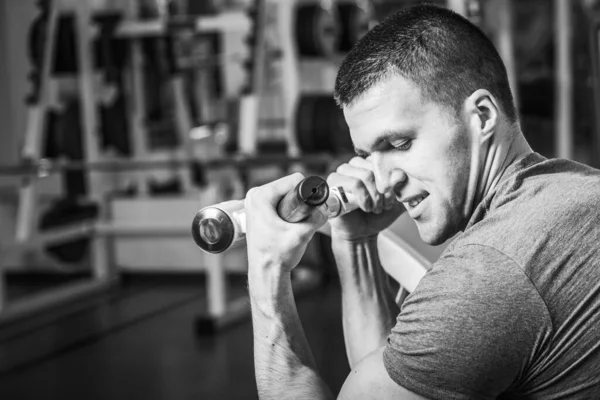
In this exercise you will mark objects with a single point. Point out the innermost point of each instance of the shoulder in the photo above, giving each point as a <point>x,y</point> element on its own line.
<point>548,205</point>
<point>470,325</point>
<point>472,274</point>
<point>549,185</point>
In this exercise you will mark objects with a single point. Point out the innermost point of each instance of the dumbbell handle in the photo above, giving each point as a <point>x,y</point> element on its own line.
<point>219,227</point>
<point>303,200</point>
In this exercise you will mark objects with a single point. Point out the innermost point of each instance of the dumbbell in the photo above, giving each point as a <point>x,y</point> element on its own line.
<point>219,227</point>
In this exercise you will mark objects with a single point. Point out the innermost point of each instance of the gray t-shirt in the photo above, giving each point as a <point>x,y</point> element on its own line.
<point>512,307</point>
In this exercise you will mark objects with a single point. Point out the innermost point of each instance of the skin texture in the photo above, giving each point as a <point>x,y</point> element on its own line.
<point>426,151</point>
<point>409,146</point>
<point>418,147</point>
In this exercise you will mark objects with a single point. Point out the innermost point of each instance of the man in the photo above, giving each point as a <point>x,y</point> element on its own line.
<point>512,307</point>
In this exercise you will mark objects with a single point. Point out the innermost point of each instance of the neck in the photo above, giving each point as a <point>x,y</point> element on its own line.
<point>492,158</point>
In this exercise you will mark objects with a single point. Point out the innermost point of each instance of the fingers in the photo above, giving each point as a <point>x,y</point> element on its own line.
<point>357,177</point>
<point>266,198</point>
<point>389,200</point>
<point>360,162</point>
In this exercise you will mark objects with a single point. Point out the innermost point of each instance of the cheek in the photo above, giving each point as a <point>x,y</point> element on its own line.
<point>458,149</point>
<point>458,161</point>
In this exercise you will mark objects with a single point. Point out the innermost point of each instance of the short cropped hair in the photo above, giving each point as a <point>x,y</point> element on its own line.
<point>444,54</point>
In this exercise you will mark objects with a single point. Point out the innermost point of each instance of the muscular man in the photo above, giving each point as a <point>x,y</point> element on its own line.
<point>512,307</point>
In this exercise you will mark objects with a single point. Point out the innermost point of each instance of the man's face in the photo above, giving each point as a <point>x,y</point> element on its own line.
<point>419,150</point>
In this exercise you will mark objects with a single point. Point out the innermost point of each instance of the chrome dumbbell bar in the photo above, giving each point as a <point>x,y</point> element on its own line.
<point>219,227</point>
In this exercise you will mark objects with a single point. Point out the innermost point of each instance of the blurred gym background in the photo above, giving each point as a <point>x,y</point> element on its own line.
<point>119,119</point>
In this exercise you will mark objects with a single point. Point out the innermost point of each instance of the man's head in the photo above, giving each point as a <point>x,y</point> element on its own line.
<point>424,93</point>
<point>442,53</point>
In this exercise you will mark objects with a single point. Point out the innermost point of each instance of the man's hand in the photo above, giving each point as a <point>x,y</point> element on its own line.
<point>376,211</point>
<point>272,242</point>
<point>284,364</point>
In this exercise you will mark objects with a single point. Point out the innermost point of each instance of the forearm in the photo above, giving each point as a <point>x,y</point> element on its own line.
<point>368,306</point>
<point>284,365</point>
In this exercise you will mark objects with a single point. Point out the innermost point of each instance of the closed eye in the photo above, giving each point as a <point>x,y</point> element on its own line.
<point>402,146</point>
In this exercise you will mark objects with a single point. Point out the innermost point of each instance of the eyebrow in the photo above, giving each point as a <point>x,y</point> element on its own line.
<point>385,137</point>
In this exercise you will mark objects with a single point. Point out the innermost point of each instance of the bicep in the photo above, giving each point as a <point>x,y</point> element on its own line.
<point>370,380</point>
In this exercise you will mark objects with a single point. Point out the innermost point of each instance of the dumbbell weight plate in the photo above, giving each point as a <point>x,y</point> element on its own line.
<point>340,140</point>
<point>317,30</point>
<point>332,132</point>
<point>321,127</point>
<point>325,111</point>
<point>305,115</point>
<point>355,18</point>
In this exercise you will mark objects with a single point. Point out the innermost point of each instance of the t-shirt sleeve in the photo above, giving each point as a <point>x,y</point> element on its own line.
<point>469,329</point>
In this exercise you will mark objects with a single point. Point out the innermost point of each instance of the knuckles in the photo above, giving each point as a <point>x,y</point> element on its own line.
<point>356,170</point>
<point>341,168</point>
<point>296,177</point>
<point>251,196</point>
<point>359,162</point>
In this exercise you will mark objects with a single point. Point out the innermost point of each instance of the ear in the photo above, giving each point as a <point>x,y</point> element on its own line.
<point>483,113</point>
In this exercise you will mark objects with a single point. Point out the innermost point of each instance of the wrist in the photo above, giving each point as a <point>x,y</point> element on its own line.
<point>268,285</point>
<point>357,259</point>
<point>343,239</point>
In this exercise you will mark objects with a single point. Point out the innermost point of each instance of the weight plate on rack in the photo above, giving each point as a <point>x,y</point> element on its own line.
<point>317,30</point>
<point>355,18</point>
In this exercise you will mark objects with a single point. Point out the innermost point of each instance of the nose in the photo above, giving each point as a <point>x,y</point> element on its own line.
<point>387,175</point>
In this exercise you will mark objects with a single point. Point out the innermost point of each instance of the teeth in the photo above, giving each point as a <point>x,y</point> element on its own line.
<point>415,202</point>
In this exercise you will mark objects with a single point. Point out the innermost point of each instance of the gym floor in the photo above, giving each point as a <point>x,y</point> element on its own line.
<point>138,341</point>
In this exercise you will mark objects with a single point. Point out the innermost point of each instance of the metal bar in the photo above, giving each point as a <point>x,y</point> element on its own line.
<point>248,126</point>
<point>26,210</point>
<point>42,169</point>
<point>37,112</point>
<point>506,43</point>
<point>142,230</point>
<point>227,22</point>
<point>141,29</point>
<point>101,249</point>
<point>290,83</point>
<point>233,21</point>
<point>563,26</point>
<point>56,235</point>
<point>216,285</point>
<point>86,79</point>
<point>183,122</point>
<point>52,298</point>
<point>250,102</point>
<point>259,48</point>
<point>137,102</point>
<point>197,62</point>
<point>36,116</point>
<point>101,267</point>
